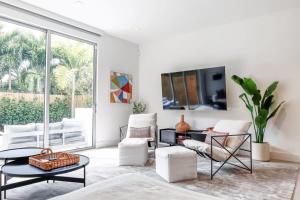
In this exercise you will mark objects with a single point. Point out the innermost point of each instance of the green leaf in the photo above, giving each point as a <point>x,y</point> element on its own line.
<point>245,99</point>
<point>268,102</point>
<point>249,86</point>
<point>237,79</point>
<point>256,98</point>
<point>275,110</point>
<point>261,118</point>
<point>271,89</point>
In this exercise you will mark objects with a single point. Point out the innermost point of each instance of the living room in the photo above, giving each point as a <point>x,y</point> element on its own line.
<point>192,99</point>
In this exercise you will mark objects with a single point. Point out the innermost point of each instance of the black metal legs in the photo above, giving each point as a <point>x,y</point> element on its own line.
<point>6,187</point>
<point>84,180</point>
<point>232,154</point>
<point>4,181</point>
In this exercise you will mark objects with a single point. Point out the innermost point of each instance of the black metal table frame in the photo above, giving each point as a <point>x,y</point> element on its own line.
<point>37,179</point>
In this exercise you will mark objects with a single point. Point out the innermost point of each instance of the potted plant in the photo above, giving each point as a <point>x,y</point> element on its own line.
<point>262,110</point>
<point>138,107</point>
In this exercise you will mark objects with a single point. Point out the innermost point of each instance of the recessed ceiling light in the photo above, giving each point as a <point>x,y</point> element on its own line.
<point>137,28</point>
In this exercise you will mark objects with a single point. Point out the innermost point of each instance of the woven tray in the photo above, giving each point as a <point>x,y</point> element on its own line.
<point>48,160</point>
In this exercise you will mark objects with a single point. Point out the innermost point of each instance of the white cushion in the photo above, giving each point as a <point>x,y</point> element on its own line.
<point>176,163</point>
<point>233,127</point>
<point>39,126</point>
<point>174,152</point>
<point>133,151</point>
<point>143,120</point>
<point>19,128</point>
<point>71,123</point>
<point>219,154</point>
<point>56,126</point>
<point>143,132</point>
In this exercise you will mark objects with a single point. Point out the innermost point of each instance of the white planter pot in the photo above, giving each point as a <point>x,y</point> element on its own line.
<point>261,151</point>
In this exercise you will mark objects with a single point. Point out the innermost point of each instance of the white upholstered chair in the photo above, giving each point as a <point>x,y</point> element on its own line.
<point>141,121</point>
<point>237,131</point>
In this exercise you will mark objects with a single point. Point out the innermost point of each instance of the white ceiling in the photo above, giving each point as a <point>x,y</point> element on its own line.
<point>142,21</point>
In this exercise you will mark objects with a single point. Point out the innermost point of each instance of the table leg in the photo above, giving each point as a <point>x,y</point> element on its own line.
<point>84,176</point>
<point>1,185</point>
<point>5,179</point>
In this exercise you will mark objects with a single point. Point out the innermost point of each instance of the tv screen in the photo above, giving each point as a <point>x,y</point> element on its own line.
<point>201,89</point>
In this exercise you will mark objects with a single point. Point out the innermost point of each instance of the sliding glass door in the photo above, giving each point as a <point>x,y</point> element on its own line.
<point>45,105</point>
<point>72,90</point>
<point>22,81</point>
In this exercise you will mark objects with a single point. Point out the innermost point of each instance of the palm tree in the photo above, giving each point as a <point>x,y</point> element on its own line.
<point>14,56</point>
<point>73,59</point>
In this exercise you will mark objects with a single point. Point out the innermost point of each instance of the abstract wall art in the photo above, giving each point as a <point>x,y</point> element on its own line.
<point>120,87</point>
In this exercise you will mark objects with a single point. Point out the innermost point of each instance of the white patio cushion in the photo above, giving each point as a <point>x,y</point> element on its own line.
<point>143,120</point>
<point>19,128</point>
<point>71,123</point>
<point>219,154</point>
<point>233,127</point>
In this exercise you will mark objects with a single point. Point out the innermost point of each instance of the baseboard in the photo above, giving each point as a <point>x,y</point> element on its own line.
<point>285,156</point>
<point>107,143</point>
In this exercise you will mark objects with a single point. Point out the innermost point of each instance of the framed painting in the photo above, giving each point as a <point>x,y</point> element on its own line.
<point>120,87</point>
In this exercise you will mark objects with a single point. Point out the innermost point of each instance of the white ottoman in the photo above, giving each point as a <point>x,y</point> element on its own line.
<point>176,163</point>
<point>133,151</point>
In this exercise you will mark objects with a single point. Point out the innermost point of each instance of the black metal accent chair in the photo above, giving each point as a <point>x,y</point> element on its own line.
<point>217,152</point>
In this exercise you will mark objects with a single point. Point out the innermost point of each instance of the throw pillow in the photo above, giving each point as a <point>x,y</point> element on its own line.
<point>221,140</point>
<point>142,132</point>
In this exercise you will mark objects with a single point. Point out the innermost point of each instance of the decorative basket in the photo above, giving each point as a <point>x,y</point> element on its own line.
<point>48,160</point>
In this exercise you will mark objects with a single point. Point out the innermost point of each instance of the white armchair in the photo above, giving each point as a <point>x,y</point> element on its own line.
<point>137,121</point>
<point>233,141</point>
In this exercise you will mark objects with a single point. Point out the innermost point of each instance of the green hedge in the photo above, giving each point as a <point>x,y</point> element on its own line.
<point>24,112</point>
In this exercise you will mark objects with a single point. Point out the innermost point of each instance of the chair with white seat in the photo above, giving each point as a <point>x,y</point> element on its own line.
<point>140,121</point>
<point>140,133</point>
<point>236,136</point>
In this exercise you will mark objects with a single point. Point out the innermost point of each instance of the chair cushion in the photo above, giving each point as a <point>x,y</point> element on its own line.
<point>233,127</point>
<point>219,154</point>
<point>71,123</point>
<point>19,128</point>
<point>133,142</point>
<point>221,140</point>
<point>56,126</point>
<point>143,120</point>
<point>143,132</point>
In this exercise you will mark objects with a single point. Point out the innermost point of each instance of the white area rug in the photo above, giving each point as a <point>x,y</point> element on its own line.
<point>270,181</point>
<point>133,186</point>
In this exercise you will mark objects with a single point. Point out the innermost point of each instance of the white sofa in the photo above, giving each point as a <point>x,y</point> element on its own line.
<point>68,131</point>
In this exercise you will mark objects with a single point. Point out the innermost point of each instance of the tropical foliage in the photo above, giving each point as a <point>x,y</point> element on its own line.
<point>261,107</point>
<point>23,112</point>
<point>22,70</point>
<point>22,64</point>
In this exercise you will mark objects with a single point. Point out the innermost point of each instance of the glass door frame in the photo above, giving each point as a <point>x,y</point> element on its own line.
<point>47,82</point>
<point>47,79</point>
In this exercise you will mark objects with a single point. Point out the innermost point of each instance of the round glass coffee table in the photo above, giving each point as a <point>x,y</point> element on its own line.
<point>19,167</point>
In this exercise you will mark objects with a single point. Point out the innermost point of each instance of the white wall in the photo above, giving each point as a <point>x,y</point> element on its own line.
<point>120,56</point>
<point>265,48</point>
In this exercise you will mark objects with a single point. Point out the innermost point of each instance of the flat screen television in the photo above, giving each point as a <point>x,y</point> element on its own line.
<point>200,89</point>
